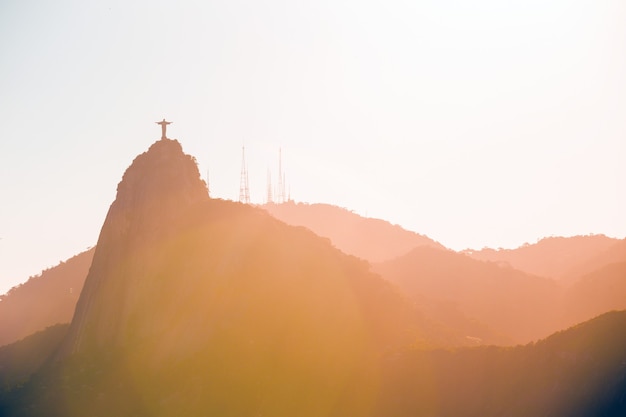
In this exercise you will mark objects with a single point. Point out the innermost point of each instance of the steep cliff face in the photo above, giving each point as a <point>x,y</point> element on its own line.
<point>156,191</point>
<point>198,306</point>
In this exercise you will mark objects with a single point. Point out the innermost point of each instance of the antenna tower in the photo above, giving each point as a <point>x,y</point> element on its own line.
<point>280,194</point>
<point>270,197</point>
<point>244,190</point>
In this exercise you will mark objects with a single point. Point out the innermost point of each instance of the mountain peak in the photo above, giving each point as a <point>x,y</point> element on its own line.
<point>154,189</point>
<point>163,171</point>
<point>157,191</point>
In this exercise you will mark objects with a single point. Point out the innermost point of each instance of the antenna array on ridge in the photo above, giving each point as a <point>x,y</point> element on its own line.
<point>276,194</point>
<point>280,192</point>
<point>270,196</point>
<point>244,189</point>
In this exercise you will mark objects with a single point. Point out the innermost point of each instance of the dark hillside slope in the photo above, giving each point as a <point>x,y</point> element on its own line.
<point>580,372</point>
<point>20,360</point>
<point>371,239</point>
<point>43,300</point>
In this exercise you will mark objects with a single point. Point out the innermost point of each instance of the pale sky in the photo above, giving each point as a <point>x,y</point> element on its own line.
<point>477,123</point>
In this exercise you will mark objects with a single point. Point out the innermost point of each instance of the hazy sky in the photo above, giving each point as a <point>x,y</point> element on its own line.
<point>477,123</point>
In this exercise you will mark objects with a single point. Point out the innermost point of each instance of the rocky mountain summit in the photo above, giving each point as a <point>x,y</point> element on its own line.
<point>152,198</point>
<point>195,305</point>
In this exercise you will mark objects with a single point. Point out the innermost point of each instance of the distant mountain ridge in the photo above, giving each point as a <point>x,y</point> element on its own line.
<point>509,301</point>
<point>551,257</point>
<point>595,293</point>
<point>371,239</point>
<point>615,253</point>
<point>43,300</point>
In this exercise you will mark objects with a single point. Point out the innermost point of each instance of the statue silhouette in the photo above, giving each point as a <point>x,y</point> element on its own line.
<point>163,124</point>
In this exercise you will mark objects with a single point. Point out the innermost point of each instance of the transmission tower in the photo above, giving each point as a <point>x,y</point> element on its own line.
<point>244,190</point>
<point>270,196</point>
<point>280,194</point>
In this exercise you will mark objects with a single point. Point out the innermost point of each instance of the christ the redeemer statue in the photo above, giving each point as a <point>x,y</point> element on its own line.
<point>163,124</point>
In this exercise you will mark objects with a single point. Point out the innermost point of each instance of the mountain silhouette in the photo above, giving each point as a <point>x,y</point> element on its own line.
<point>511,302</point>
<point>196,306</point>
<point>43,300</point>
<point>371,239</point>
<point>551,257</point>
<point>50,297</point>
<point>579,372</point>
<point>597,285</point>
<point>152,200</point>
<point>596,260</point>
<point>20,360</point>
<point>595,293</point>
